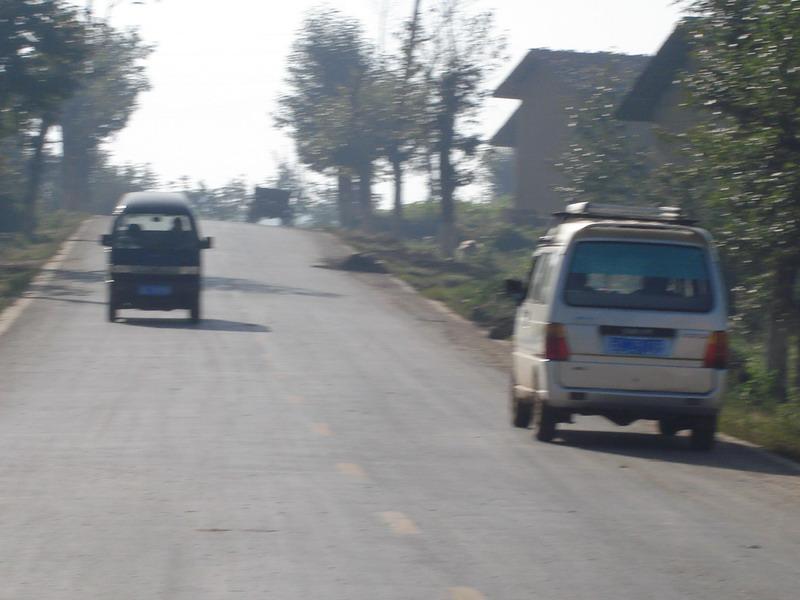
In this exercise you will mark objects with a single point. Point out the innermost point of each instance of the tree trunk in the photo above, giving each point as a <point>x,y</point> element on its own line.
<point>778,328</point>
<point>76,167</point>
<point>447,182</point>
<point>344,199</point>
<point>797,362</point>
<point>35,178</point>
<point>397,171</point>
<point>365,194</point>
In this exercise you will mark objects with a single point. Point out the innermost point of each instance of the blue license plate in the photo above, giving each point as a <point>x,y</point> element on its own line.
<point>636,346</point>
<point>155,290</point>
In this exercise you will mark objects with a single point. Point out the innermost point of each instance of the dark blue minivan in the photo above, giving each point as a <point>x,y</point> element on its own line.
<point>154,254</point>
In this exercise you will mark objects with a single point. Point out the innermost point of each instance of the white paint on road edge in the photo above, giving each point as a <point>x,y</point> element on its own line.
<point>9,316</point>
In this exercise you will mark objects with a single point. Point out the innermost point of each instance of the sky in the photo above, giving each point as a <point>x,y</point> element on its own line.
<point>218,67</point>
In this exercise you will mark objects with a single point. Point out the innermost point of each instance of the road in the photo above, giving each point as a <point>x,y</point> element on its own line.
<point>329,435</point>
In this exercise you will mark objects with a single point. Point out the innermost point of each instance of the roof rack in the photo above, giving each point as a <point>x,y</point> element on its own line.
<point>592,210</point>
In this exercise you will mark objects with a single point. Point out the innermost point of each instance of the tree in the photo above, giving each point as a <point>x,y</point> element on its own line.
<point>42,52</point>
<point>331,107</point>
<point>100,107</point>
<point>605,160</point>
<point>460,52</point>
<point>404,103</point>
<point>108,182</point>
<point>747,156</point>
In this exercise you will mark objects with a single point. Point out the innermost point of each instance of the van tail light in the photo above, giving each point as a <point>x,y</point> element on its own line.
<point>556,347</point>
<point>716,351</point>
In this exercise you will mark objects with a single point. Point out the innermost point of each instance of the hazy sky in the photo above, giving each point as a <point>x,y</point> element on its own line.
<point>218,67</point>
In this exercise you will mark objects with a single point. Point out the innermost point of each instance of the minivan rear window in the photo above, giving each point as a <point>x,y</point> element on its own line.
<point>145,230</point>
<point>639,276</point>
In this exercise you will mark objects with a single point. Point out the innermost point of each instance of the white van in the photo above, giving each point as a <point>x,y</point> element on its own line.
<point>623,315</point>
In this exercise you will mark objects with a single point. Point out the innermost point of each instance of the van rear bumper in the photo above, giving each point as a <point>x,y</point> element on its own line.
<point>646,405</point>
<point>125,291</point>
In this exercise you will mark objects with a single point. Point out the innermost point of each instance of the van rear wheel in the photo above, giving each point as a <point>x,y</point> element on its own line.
<point>668,426</point>
<point>704,430</point>
<point>521,412</point>
<point>194,311</point>
<point>548,423</point>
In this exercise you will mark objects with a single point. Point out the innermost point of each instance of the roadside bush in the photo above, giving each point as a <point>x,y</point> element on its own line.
<point>10,216</point>
<point>509,239</point>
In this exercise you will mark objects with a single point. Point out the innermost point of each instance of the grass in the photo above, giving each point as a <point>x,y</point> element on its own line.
<point>21,258</point>
<point>471,286</point>
<point>751,411</point>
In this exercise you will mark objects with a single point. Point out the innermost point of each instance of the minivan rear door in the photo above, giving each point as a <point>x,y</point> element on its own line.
<point>639,316</point>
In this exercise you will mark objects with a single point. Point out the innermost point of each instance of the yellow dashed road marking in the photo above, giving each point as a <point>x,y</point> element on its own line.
<point>351,469</point>
<point>322,429</point>
<point>464,593</point>
<point>399,523</point>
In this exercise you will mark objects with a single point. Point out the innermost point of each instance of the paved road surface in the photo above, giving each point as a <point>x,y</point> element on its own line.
<point>328,435</point>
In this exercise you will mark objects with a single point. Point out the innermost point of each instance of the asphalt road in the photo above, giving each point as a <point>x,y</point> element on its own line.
<point>329,435</point>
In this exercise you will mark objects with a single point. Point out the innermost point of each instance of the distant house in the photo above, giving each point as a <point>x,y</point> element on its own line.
<point>657,97</point>
<point>551,84</point>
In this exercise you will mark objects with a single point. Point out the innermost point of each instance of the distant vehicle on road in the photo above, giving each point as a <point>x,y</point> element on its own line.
<point>270,203</point>
<point>154,255</point>
<point>623,315</point>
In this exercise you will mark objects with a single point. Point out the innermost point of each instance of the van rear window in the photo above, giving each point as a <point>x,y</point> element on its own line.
<point>142,230</point>
<point>640,276</point>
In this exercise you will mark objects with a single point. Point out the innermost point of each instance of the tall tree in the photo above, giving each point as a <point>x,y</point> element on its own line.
<point>100,107</point>
<point>42,52</point>
<point>404,103</point>
<point>331,106</point>
<point>747,157</point>
<point>462,49</point>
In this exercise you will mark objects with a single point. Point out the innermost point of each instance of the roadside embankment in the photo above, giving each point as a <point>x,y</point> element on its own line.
<point>21,258</point>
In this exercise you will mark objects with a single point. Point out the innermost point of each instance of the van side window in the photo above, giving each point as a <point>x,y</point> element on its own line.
<point>540,280</point>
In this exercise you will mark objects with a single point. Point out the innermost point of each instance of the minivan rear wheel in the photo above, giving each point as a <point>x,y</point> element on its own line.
<point>194,311</point>
<point>668,426</point>
<point>521,412</point>
<point>704,430</point>
<point>548,423</point>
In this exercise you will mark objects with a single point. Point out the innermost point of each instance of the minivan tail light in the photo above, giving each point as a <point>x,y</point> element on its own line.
<point>716,351</point>
<point>556,347</point>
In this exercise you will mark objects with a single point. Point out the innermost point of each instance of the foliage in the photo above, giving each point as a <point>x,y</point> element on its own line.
<point>743,162</point>
<point>109,182</point>
<point>605,161</point>
<point>227,202</point>
<point>462,49</point>
<point>329,76</point>
<point>101,106</point>
<point>42,49</point>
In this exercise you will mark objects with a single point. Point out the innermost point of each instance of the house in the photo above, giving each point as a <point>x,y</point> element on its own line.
<point>551,84</point>
<point>657,97</point>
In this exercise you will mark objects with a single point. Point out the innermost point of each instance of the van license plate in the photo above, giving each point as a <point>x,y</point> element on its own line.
<point>636,346</point>
<point>155,290</point>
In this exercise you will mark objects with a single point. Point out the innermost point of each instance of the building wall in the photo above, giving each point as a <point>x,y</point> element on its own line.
<point>542,138</point>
